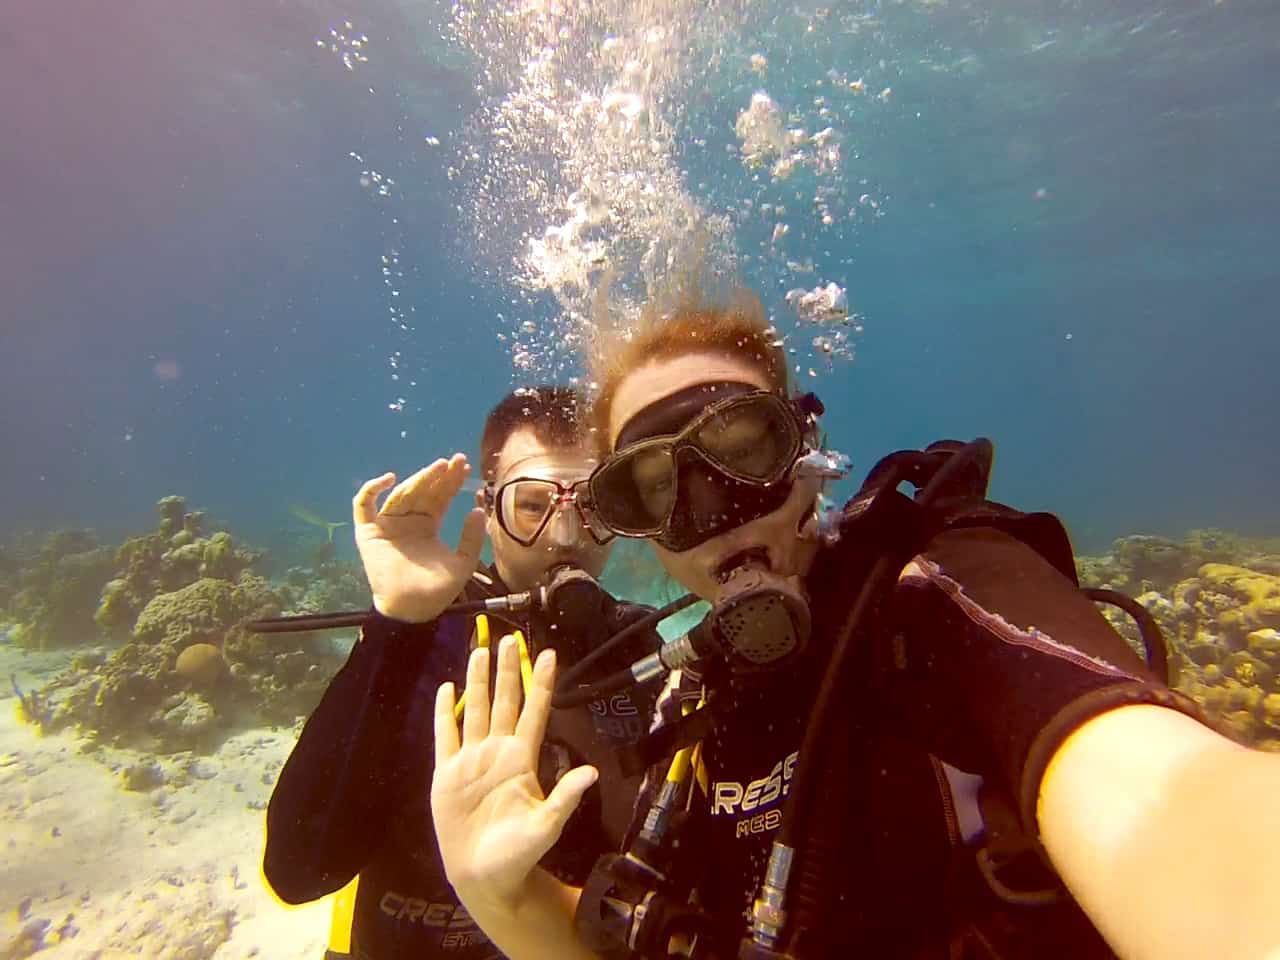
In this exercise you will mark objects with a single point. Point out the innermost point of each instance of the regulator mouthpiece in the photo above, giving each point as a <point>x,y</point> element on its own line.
<point>572,598</point>
<point>760,621</point>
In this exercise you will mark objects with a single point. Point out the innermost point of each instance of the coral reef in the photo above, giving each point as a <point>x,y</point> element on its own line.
<point>185,671</point>
<point>1141,564</point>
<point>1216,597</point>
<point>328,586</point>
<point>191,672</point>
<point>173,556</point>
<point>142,777</point>
<point>31,707</point>
<point>200,664</point>
<point>51,588</point>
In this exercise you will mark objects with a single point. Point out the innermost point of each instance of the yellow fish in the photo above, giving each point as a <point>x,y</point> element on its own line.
<point>307,515</point>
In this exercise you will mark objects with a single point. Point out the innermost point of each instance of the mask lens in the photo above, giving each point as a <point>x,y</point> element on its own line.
<point>754,440</point>
<point>524,506</point>
<point>711,502</point>
<point>634,492</point>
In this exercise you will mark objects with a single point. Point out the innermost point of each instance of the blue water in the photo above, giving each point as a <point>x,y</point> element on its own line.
<point>192,301</point>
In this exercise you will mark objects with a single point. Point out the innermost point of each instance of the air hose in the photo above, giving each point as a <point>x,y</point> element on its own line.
<point>300,623</point>
<point>793,841</point>
<point>569,693</point>
<point>1152,637</point>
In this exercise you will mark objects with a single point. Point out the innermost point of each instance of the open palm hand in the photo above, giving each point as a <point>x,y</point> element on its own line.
<point>493,822</point>
<point>413,574</point>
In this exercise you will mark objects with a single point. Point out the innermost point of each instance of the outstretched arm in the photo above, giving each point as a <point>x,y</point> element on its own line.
<point>1168,835</point>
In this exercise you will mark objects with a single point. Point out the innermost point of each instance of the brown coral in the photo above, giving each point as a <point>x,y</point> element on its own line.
<point>197,613</point>
<point>1257,597</point>
<point>200,664</point>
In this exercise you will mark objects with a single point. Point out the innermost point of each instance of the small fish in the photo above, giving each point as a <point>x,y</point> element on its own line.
<point>309,516</point>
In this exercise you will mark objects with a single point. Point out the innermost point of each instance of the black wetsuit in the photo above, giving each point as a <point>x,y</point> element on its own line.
<point>984,663</point>
<point>354,796</point>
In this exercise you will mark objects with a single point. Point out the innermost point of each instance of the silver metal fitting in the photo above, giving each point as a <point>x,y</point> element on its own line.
<point>767,913</point>
<point>823,464</point>
<point>678,652</point>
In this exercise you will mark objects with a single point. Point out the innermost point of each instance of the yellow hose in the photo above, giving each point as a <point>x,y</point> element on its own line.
<point>683,759</point>
<point>482,640</point>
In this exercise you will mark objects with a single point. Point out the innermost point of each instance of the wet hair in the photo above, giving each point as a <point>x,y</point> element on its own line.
<point>738,328</point>
<point>556,415</point>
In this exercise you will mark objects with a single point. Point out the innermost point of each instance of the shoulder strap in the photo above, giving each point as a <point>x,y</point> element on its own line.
<point>1042,532</point>
<point>964,503</point>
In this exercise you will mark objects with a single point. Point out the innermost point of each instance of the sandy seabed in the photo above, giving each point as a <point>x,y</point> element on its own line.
<point>91,870</point>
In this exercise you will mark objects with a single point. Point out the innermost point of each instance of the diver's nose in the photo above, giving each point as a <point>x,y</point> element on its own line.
<point>565,528</point>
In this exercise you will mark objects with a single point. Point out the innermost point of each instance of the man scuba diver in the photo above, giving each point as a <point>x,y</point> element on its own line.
<point>816,805</point>
<point>352,800</point>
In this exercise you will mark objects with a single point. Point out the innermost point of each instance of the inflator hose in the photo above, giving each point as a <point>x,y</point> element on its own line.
<point>567,696</point>
<point>1152,637</point>
<point>812,859</point>
<point>308,621</point>
<point>883,575</point>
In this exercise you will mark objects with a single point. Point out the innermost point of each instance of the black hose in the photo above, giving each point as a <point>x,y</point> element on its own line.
<point>567,696</point>
<point>802,784</point>
<point>566,699</point>
<point>1152,635</point>
<point>882,577</point>
<point>811,875</point>
<point>302,622</point>
<point>308,621</point>
<point>981,447</point>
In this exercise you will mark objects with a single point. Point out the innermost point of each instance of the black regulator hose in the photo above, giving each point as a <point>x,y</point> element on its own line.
<point>807,881</point>
<point>1152,635</point>
<point>883,574</point>
<point>300,623</point>
<point>567,699</point>
<point>308,621</point>
<point>569,693</point>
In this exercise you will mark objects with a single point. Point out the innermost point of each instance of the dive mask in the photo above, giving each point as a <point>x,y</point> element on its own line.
<point>525,506</point>
<point>686,470</point>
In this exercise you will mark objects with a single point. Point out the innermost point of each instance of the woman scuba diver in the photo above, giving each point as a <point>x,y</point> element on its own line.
<point>936,747</point>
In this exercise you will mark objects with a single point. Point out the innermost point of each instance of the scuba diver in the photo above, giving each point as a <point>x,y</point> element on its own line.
<point>903,730</point>
<point>350,810</point>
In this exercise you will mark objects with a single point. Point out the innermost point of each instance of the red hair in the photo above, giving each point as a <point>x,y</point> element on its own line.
<point>740,329</point>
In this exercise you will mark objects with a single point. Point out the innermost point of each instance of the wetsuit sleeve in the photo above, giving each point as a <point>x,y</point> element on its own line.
<point>355,761</point>
<point>992,657</point>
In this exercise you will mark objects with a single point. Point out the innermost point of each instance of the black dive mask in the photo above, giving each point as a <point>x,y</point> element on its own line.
<point>712,503</point>
<point>701,462</point>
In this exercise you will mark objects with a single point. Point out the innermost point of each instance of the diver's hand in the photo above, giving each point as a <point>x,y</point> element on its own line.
<point>492,821</point>
<point>412,573</point>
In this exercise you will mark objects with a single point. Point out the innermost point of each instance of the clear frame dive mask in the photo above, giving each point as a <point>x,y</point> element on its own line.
<point>525,507</point>
<point>731,461</point>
